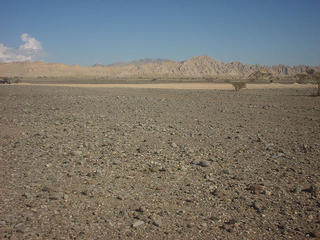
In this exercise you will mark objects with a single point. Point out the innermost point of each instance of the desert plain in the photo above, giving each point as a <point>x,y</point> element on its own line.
<point>183,162</point>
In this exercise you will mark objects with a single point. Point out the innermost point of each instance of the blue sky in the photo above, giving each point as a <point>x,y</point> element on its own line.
<point>87,32</point>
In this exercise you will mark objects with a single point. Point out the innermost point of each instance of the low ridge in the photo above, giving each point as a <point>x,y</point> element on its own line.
<point>195,67</point>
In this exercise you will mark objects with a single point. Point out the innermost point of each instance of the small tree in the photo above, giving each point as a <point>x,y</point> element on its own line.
<point>239,85</point>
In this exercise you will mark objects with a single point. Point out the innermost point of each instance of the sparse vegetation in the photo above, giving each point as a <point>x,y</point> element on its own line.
<point>5,80</point>
<point>239,85</point>
<point>9,80</point>
<point>261,76</point>
<point>310,75</point>
<point>15,79</point>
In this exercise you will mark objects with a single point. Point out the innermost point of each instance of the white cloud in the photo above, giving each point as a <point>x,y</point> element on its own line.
<point>31,50</point>
<point>30,43</point>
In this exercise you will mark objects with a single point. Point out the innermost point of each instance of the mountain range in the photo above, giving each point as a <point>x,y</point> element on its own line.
<point>196,67</point>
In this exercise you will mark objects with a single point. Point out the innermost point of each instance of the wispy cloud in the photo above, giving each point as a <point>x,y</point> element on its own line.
<point>30,50</point>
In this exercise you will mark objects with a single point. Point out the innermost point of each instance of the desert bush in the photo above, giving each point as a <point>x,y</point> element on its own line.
<point>4,80</point>
<point>9,80</point>
<point>316,78</point>
<point>239,85</point>
<point>301,78</point>
<point>310,71</point>
<point>310,75</point>
<point>15,80</point>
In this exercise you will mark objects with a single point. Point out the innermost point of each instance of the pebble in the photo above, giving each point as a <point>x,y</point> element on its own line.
<point>157,222</point>
<point>204,225</point>
<point>204,163</point>
<point>26,195</point>
<point>311,189</point>
<point>256,189</point>
<point>190,225</point>
<point>226,171</point>
<point>141,209</point>
<point>180,212</point>
<point>137,223</point>
<point>257,206</point>
<point>76,153</point>
<point>174,145</point>
<point>314,234</point>
<point>120,198</point>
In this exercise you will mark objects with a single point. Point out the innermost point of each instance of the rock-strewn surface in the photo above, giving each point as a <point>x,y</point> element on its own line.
<point>80,163</point>
<point>196,67</point>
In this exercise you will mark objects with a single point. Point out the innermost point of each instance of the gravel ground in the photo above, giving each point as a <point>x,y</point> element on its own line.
<point>90,163</point>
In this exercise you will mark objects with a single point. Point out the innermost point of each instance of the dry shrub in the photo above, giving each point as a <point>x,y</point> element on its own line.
<point>9,80</point>
<point>301,78</point>
<point>310,75</point>
<point>239,85</point>
<point>15,80</point>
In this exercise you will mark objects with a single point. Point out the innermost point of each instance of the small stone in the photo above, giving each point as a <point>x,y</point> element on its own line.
<point>76,153</point>
<point>215,192</point>
<point>137,223</point>
<point>180,212</point>
<point>46,189</point>
<point>231,222</point>
<point>314,234</point>
<point>268,193</point>
<point>256,189</point>
<point>257,206</point>
<point>213,219</point>
<point>190,225</point>
<point>153,169</point>
<point>157,222</point>
<point>312,190</point>
<point>123,213</point>
<point>204,163</point>
<point>141,209</point>
<point>19,227</point>
<point>53,196</point>
<point>174,145</point>
<point>226,171</point>
<point>26,195</point>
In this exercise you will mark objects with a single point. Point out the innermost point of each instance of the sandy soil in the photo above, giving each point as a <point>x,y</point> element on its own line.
<point>216,86</point>
<point>119,163</point>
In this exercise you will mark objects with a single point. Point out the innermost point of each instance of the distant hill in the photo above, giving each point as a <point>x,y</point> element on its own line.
<point>196,67</point>
<point>135,62</point>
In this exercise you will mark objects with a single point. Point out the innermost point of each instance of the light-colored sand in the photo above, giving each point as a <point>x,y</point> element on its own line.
<point>213,86</point>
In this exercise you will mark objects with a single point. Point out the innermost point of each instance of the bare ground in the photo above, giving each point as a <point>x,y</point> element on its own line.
<point>120,163</point>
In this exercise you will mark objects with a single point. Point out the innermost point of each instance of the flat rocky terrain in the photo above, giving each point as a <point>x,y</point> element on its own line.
<point>106,163</point>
